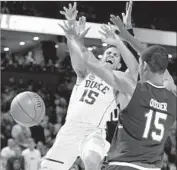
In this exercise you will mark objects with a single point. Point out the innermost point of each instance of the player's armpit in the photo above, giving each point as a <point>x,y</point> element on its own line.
<point>77,62</point>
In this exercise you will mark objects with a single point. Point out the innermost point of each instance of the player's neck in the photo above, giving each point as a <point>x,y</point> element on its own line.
<point>156,80</point>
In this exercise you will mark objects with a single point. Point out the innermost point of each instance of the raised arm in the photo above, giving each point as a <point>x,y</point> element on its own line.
<point>117,80</point>
<point>127,20</point>
<point>77,64</point>
<point>139,47</point>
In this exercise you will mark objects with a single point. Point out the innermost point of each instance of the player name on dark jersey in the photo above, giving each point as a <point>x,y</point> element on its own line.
<point>160,106</point>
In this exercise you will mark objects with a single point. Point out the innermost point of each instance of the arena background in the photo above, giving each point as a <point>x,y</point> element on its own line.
<point>34,57</point>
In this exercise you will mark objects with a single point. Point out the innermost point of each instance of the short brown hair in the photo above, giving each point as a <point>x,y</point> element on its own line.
<point>157,58</point>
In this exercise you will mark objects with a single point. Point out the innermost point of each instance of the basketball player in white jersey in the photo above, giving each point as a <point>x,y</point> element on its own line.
<point>91,102</point>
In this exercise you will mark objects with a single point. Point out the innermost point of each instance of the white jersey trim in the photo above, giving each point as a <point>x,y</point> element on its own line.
<point>132,165</point>
<point>155,85</point>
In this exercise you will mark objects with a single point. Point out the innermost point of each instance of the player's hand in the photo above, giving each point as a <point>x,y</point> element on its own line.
<point>123,33</point>
<point>108,33</point>
<point>81,27</point>
<point>127,16</point>
<point>70,13</point>
<point>71,31</point>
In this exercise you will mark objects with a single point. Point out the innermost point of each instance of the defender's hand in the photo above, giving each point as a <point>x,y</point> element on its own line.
<point>124,34</point>
<point>127,16</point>
<point>108,33</point>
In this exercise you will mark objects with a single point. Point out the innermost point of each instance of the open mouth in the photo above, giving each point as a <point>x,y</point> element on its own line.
<point>109,61</point>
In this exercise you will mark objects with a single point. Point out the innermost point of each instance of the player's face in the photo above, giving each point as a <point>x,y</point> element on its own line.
<point>111,58</point>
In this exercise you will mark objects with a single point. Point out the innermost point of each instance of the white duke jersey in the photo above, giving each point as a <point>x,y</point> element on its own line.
<point>91,103</point>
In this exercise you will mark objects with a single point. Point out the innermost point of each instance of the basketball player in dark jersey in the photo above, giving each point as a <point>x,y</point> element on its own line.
<point>138,142</point>
<point>148,109</point>
<point>139,139</point>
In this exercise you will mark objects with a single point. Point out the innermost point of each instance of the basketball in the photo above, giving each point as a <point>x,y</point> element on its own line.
<point>27,109</point>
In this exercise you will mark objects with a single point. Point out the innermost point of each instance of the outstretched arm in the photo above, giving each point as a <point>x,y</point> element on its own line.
<point>127,20</point>
<point>118,80</point>
<point>77,64</point>
<point>140,48</point>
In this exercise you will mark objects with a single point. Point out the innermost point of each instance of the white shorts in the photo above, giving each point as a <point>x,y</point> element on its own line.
<point>96,142</point>
<point>70,143</point>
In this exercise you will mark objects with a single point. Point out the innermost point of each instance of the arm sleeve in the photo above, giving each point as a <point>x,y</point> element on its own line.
<point>130,47</point>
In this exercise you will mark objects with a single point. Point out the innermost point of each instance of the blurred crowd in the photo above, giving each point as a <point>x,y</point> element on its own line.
<point>28,63</point>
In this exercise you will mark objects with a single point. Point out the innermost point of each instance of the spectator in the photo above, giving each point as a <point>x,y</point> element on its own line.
<point>32,156</point>
<point>6,124</point>
<point>21,135</point>
<point>16,162</point>
<point>8,151</point>
<point>48,130</point>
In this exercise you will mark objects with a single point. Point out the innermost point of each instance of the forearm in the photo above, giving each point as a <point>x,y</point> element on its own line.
<point>134,52</point>
<point>128,58</point>
<point>99,68</point>
<point>76,61</point>
<point>136,44</point>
